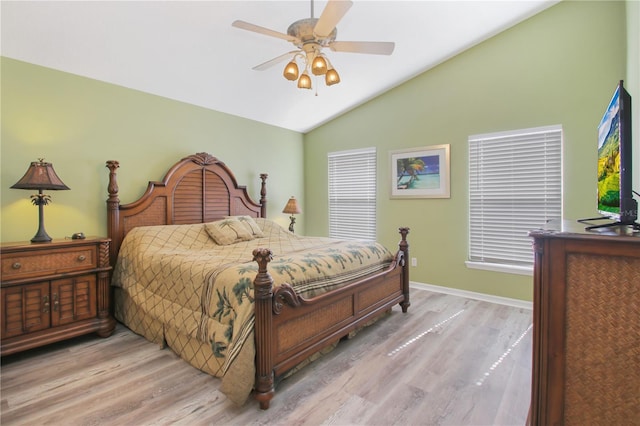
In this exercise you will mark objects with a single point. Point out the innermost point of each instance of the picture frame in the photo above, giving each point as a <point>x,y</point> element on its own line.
<point>422,172</point>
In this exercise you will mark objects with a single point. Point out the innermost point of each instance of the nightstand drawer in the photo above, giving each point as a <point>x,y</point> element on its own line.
<point>34,263</point>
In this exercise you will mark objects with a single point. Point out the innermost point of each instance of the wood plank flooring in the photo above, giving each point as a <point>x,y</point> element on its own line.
<point>448,361</point>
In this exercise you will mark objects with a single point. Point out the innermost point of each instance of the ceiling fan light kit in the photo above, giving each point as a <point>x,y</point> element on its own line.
<point>310,35</point>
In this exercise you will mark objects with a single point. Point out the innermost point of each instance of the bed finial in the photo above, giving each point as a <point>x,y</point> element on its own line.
<point>113,165</point>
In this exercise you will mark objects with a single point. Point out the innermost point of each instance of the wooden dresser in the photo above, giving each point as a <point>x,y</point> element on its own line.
<point>586,335</point>
<point>53,291</point>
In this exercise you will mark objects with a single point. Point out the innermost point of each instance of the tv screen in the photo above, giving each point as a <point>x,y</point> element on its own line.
<point>615,194</point>
<point>609,159</point>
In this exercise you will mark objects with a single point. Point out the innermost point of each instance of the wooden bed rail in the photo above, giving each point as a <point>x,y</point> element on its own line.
<point>288,328</point>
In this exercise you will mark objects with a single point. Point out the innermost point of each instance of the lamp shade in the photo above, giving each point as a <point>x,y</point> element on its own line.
<point>292,207</point>
<point>332,77</point>
<point>40,175</point>
<point>291,71</point>
<point>305,81</point>
<point>319,65</point>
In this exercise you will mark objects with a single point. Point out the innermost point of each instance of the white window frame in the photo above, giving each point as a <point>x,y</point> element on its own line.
<point>352,191</point>
<point>515,186</point>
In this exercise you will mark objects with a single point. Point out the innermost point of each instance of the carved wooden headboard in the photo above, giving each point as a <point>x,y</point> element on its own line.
<point>197,189</point>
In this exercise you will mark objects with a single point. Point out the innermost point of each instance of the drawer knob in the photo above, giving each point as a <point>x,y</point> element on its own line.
<point>17,265</point>
<point>81,258</point>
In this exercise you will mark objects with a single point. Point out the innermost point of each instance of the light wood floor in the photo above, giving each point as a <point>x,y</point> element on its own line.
<point>448,361</point>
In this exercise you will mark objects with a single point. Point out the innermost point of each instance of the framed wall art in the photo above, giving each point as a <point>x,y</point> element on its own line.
<point>420,172</point>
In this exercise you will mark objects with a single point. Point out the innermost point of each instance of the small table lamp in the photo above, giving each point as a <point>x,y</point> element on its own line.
<point>292,208</point>
<point>40,176</point>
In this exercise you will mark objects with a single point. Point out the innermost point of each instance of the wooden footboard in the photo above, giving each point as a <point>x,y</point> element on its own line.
<point>290,328</point>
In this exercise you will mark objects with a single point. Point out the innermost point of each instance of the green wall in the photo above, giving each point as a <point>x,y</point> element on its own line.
<point>559,67</point>
<point>78,123</point>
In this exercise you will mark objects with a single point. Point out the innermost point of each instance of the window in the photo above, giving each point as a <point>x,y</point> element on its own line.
<point>515,185</point>
<point>352,194</point>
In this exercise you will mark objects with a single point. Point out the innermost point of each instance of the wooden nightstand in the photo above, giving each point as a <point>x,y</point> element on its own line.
<point>53,291</point>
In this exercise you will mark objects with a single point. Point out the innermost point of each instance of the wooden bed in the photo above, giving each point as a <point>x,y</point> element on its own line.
<point>289,328</point>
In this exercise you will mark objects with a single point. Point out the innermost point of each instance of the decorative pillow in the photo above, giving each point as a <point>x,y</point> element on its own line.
<point>228,231</point>
<point>250,224</point>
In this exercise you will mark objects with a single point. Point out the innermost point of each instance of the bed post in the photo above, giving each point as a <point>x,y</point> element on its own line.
<point>404,248</point>
<point>263,195</point>
<point>263,293</point>
<point>113,212</point>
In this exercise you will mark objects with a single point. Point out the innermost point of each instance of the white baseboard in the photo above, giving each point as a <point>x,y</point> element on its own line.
<point>516,303</point>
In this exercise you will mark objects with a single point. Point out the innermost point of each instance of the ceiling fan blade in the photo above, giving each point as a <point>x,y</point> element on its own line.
<point>331,15</point>
<point>262,30</point>
<point>370,47</point>
<point>274,61</point>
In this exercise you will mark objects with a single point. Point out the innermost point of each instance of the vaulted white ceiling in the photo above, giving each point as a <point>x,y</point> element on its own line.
<point>188,50</point>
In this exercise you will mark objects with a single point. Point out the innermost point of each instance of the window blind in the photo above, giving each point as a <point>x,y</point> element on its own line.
<point>515,185</point>
<point>352,194</point>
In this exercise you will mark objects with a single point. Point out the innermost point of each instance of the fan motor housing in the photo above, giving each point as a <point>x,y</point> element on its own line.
<point>303,31</point>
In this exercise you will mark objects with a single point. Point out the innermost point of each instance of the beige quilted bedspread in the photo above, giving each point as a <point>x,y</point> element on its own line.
<point>179,279</point>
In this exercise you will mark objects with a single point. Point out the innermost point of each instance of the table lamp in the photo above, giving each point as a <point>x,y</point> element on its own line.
<point>40,175</point>
<point>292,208</point>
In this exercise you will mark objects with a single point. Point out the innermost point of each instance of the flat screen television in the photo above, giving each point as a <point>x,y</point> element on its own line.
<point>615,192</point>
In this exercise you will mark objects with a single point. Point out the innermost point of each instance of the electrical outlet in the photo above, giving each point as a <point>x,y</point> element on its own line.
<point>414,261</point>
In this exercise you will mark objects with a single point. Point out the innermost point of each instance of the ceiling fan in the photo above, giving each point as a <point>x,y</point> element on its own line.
<point>310,36</point>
